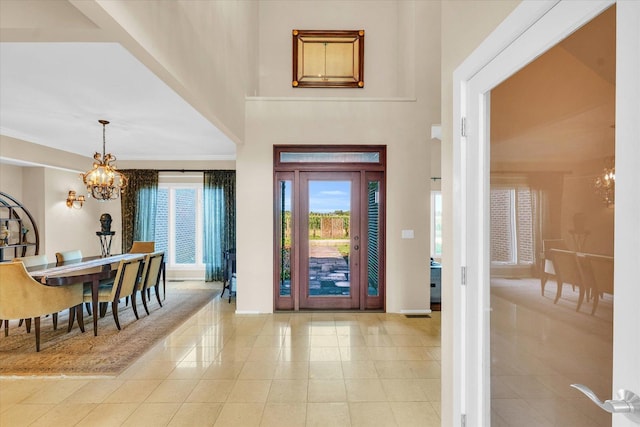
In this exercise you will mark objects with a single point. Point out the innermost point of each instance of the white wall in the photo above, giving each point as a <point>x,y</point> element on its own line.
<point>347,116</point>
<point>43,191</point>
<point>11,180</point>
<point>210,59</point>
<point>385,66</point>
<point>335,122</point>
<point>69,229</point>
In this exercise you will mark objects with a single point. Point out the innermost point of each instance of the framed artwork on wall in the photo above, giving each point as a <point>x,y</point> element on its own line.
<point>328,58</point>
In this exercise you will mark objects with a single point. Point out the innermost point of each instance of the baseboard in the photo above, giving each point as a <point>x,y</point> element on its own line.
<point>425,311</point>
<point>250,312</point>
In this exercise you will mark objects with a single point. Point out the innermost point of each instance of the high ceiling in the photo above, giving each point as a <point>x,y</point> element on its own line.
<point>60,73</point>
<point>561,107</point>
<point>53,94</point>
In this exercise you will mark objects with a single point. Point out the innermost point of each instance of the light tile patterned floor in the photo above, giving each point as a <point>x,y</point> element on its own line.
<point>540,347</point>
<point>223,369</point>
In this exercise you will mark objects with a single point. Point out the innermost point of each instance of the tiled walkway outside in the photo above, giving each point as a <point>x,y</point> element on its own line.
<point>223,369</point>
<point>328,270</point>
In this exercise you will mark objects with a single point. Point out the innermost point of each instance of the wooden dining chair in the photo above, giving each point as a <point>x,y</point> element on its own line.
<point>22,297</point>
<point>139,247</point>
<point>123,286</point>
<point>150,277</point>
<point>68,256</point>
<point>567,271</point>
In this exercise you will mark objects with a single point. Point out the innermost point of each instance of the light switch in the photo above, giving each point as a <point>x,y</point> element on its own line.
<point>407,234</point>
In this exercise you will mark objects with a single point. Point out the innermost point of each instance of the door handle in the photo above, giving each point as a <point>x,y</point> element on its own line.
<point>628,402</point>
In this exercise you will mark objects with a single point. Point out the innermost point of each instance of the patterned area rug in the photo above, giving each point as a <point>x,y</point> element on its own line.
<point>112,351</point>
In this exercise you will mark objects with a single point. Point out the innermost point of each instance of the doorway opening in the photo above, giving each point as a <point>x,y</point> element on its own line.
<point>552,175</point>
<point>329,227</point>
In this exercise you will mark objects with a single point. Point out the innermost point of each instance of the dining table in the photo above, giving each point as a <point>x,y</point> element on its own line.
<point>88,270</point>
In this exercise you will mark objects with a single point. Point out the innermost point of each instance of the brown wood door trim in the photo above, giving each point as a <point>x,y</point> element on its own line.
<point>367,172</point>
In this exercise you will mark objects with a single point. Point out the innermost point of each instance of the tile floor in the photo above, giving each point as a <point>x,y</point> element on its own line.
<point>539,348</point>
<point>223,369</point>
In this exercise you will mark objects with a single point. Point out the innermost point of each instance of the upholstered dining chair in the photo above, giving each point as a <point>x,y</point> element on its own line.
<point>68,255</point>
<point>548,269</point>
<point>600,267</point>
<point>568,271</point>
<point>73,256</point>
<point>22,297</point>
<point>150,277</point>
<point>30,261</point>
<point>139,247</point>
<point>123,286</point>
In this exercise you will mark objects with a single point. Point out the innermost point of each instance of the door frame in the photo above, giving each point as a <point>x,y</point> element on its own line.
<point>530,30</point>
<point>376,170</point>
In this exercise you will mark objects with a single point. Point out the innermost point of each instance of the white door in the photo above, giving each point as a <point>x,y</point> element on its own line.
<point>528,32</point>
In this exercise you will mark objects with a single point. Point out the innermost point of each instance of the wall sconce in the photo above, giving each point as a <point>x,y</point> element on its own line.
<point>74,201</point>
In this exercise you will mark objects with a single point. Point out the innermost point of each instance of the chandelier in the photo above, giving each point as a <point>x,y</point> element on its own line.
<point>605,183</point>
<point>104,181</point>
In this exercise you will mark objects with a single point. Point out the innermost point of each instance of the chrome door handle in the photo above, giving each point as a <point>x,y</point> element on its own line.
<point>628,402</point>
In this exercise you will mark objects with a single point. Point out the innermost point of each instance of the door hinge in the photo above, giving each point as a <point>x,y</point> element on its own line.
<point>463,126</point>
<point>463,420</point>
<point>463,274</point>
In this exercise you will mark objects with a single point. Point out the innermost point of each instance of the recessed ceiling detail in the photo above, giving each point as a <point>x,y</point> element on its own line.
<point>51,94</point>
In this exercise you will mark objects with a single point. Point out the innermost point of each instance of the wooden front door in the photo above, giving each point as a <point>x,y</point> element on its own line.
<point>329,228</point>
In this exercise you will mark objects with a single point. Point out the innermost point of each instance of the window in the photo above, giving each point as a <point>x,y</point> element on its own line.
<point>512,225</point>
<point>179,224</point>
<point>436,224</point>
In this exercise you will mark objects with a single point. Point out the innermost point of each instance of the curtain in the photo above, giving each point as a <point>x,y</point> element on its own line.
<point>139,207</point>
<point>547,188</point>
<point>219,197</point>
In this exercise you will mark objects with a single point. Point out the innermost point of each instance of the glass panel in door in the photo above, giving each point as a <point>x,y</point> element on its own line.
<point>330,249</point>
<point>284,289</point>
<point>373,230</point>
<point>552,234</point>
<point>285,239</point>
<point>373,241</point>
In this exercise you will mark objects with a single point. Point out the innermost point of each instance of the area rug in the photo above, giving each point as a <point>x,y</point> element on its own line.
<point>108,354</point>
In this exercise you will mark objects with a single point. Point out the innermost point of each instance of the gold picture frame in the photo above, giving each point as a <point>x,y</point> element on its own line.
<point>327,58</point>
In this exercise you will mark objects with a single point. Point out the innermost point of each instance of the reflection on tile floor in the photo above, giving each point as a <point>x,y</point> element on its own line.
<point>223,369</point>
<point>539,348</point>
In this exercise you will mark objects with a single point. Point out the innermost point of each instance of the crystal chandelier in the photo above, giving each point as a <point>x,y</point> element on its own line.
<point>104,181</point>
<point>605,183</point>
